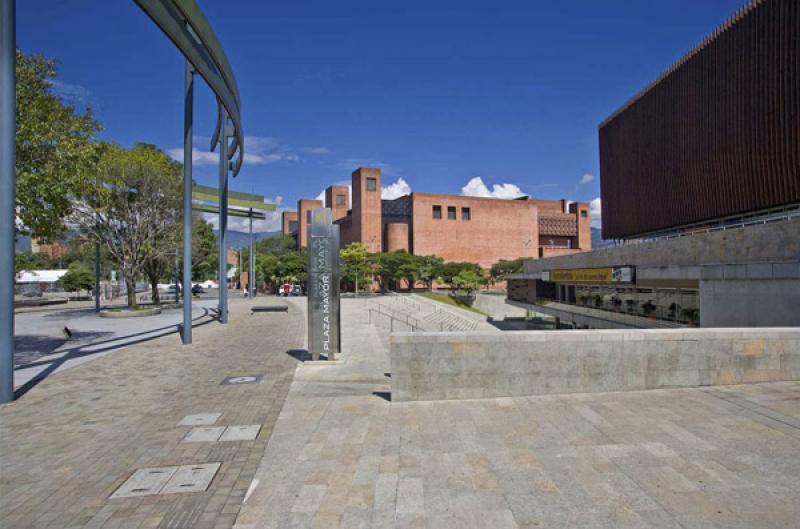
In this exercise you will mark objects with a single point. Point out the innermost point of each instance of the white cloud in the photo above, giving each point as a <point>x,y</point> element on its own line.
<point>396,189</point>
<point>585,179</point>
<point>595,212</point>
<point>259,150</point>
<point>476,188</point>
<point>351,164</point>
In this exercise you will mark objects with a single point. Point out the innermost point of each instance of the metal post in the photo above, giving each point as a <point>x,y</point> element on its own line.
<point>97,278</point>
<point>223,219</point>
<point>188,111</point>
<point>8,177</point>
<point>250,268</point>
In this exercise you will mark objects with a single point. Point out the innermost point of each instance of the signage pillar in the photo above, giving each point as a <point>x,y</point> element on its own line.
<point>324,326</point>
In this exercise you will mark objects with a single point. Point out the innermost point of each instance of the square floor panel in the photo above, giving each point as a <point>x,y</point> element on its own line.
<point>191,478</point>
<point>204,434</point>
<point>245,432</point>
<point>200,419</point>
<point>144,482</point>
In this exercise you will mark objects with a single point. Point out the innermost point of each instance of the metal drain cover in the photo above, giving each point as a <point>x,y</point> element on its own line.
<point>191,478</point>
<point>242,379</point>
<point>204,434</point>
<point>144,482</point>
<point>247,432</point>
<point>167,480</point>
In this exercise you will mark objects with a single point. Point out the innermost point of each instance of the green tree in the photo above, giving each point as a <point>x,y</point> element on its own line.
<point>134,210</point>
<point>204,249</point>
<point>503,267</point>
<point>392,267</point>
<point>466,281</point>
<point>55,149</point>
<point>77,278</point>
<point>31,261</point>
<point>429,267</point>
<point>356,267</point>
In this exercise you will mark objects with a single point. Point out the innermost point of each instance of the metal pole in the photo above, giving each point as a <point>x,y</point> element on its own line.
<point>8,177</point>
<point>223,219</point>
<point>188,111</point>
<point>97,278</point>
<point>250,268</point>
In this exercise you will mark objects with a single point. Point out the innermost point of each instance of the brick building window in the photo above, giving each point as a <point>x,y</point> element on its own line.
<point>340,200</point>
<point>308,217</point>
<point>583,214</point>
<point>437,212</point>
<point>451,212</point>
<point>466,214</point>
<point>372,184</point>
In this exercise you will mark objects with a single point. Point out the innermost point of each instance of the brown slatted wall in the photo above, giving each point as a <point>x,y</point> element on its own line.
<point>718,135</point>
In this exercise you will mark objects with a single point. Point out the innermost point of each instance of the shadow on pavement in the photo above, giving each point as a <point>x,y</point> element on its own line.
<point>28,348</point>
<point>89,349</point>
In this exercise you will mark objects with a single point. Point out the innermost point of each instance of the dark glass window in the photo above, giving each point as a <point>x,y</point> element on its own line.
<point>340,200</point>
<point>292,226</point>
<point>308,217</point>
<point>584,214</point>
<point>371,184</point>
<point>437,212</point>
<point>466,214</point>
<point>451,212</point>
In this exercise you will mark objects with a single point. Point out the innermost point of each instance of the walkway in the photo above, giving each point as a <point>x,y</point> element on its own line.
<point>67,445</point>
<point>342,455</point>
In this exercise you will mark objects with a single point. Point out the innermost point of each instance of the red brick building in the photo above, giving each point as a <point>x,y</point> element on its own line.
<point>454,227</point>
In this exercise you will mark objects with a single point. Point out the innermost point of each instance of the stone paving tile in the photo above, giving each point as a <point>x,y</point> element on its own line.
<point>74,438</point>
<point>342,456</point>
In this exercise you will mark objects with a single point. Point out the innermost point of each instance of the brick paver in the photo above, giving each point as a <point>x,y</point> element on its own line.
<point>73,439</point>
<point>343,456</point>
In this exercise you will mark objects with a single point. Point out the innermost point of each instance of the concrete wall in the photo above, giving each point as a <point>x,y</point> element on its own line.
<point>750,302</point>
<point>777,241</point>
<point>495,306</point>
<point>436,366</point>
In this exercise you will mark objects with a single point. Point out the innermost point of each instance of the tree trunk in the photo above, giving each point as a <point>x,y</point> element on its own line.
<point>131,286</point>
<point>154,296</point>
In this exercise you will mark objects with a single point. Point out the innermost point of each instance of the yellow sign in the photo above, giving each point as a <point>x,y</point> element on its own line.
<point>619,274</point>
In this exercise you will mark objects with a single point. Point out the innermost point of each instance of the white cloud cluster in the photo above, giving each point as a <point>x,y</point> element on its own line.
<point>259,150</point>
<point>396,189</point>
<point>595,212</point>
<point>476,188</point>
<point>585,179</point>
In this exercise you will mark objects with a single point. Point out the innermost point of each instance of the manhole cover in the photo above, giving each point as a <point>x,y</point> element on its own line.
<point>191,478</point>
<point>204,434</point>
<point>247,432</point>
<point>144,482</point>
<point>242,379</point>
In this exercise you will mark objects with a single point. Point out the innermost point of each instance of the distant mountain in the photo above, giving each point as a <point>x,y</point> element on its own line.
<point>597,240</point>
<point>241,239</point>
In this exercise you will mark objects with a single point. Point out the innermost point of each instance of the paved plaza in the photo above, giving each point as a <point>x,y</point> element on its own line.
<point>332,449</point>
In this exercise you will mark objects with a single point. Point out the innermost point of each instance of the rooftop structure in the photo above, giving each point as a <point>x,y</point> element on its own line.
<point>714,138</point>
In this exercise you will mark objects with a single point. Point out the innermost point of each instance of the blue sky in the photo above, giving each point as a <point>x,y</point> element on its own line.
<point>436,92</point>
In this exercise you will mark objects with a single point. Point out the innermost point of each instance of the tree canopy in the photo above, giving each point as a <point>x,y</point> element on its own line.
<point>55,149</point>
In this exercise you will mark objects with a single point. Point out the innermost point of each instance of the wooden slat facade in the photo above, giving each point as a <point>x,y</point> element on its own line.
<point>717,135</point>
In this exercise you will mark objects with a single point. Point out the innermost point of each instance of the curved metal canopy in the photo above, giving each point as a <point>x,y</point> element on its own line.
<point>186,26</point>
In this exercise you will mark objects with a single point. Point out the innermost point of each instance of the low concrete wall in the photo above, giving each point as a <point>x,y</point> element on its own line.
<point>437,366</point>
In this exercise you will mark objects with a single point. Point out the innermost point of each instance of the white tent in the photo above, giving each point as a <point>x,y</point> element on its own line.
<point>40,276</point>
